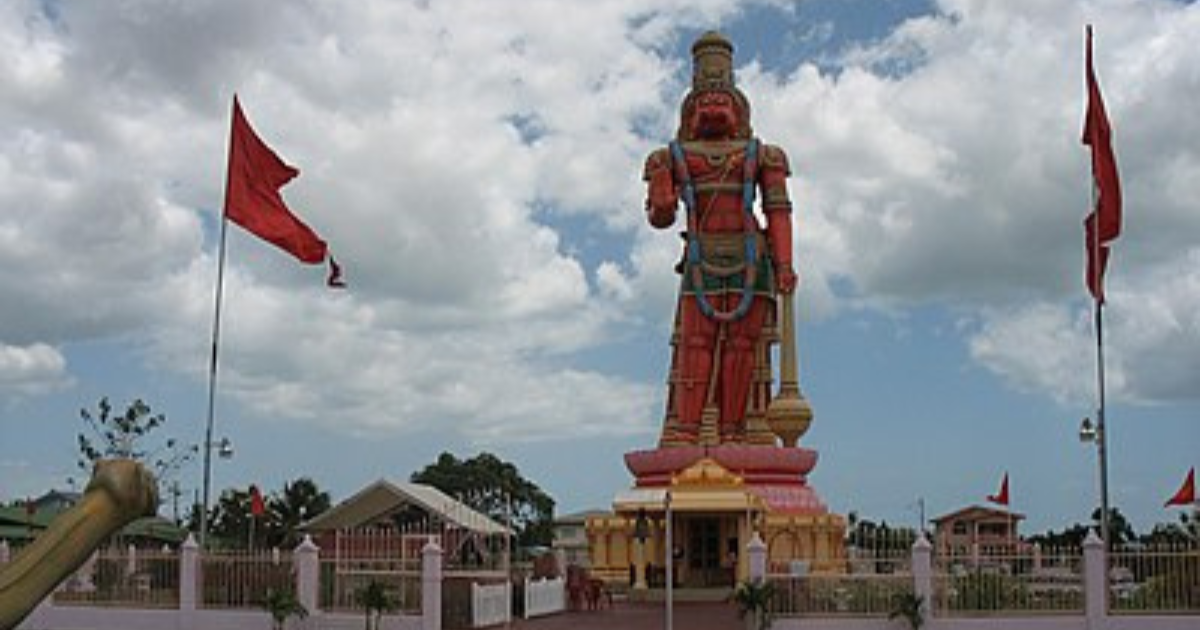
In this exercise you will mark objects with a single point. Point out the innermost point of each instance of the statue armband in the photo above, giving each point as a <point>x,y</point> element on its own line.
<point>773,174</point>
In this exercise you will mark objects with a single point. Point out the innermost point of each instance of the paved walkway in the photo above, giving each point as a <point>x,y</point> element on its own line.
<point>649,616</point>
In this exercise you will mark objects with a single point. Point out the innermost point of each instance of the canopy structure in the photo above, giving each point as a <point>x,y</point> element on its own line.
<point>706,486</point>
<point>383,499</point>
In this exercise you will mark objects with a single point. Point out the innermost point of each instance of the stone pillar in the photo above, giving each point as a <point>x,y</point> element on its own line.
<point>307,559</point>
<point>756,558</point>
<point>189,575</point>
<point>639,565</point>
<point>922,571</point>
<point>431,586</point>
<point>1095,581</point>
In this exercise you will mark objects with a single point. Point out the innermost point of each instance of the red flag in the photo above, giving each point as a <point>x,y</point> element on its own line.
<point>257,507</point>
<point>1000,498</point>
<point>1187,492</point>
<point>1103,224</point>
<point>252,197</point>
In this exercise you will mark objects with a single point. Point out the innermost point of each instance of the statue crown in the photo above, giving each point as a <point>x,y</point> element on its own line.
<point>712,63</point>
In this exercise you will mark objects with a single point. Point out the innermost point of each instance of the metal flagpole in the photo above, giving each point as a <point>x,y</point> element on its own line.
<point>670,565</point>
<point>212,365</point>
<point>1101,433</point>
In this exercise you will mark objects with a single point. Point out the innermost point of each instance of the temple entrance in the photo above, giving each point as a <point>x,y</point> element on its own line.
<point>709,563</point>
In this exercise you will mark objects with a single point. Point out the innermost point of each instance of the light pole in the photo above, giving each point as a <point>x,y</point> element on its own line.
<point>1090,433</point>
<point>670,563</point>
<point>224,449</point>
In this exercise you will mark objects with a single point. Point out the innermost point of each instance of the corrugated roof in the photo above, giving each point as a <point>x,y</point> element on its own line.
<point>384,497</point>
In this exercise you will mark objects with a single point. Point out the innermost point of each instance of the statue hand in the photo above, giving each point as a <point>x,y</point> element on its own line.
<point>785,279</point>
<point>663,199</point>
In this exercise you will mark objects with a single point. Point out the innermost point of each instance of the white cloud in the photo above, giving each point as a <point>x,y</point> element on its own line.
<point>31,370</point>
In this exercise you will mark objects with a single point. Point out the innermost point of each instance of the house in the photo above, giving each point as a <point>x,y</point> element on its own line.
<point>978,531</point>
<point>570,537</point>
<point>397,519</point>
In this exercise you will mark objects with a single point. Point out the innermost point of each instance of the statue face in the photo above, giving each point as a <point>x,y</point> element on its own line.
<point>715,117</point>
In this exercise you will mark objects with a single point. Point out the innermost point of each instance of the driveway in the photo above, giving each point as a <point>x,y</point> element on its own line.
<point>630,616</point>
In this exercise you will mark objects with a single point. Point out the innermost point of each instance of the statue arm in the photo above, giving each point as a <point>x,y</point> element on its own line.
<point>662,195</point>
<point>777,206</point>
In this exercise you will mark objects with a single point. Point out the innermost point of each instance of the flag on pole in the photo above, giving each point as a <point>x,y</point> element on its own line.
<point>1000,498</point>
<point>257,507</point>
<point>1103,224</point>
<point>1186,495</point>
<point>252,197</point>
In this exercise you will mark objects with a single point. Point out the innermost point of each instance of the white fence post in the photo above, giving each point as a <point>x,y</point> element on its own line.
<point>5,552</point>
<point>189,576</point>
<point>756,557</point>
<point>308,574</point>
<point>922,573</point>
<point>1095,581</point>
<point>431,586</point>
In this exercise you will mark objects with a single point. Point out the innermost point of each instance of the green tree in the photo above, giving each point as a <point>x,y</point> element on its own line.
<point>282,605</point>
<point>131,435</point>
<point>496,488</point>
<point>375,601</point>
<point>1119,529</point>
<point>299,502</point>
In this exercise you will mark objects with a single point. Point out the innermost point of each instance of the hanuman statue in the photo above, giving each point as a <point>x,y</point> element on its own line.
<point>733,267</point>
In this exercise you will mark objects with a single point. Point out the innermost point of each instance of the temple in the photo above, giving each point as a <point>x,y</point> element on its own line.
<point>728,463</point>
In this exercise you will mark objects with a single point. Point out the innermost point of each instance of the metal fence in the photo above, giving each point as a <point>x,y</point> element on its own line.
<point>124,577</point>
<point>1154,579</point>
<point>344,580</point>
<point>852,595</point>
<point>242,579</point>
<point>1024,580</point>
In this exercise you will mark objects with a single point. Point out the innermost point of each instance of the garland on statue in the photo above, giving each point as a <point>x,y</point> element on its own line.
<point>695,257</point>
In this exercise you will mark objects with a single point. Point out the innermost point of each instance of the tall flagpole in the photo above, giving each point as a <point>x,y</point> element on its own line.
<point>212,365</point>
<point>1101,434</point>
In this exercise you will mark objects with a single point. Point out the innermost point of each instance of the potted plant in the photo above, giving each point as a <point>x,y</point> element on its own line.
<point>754,603</point>
<point>282,605</point>
<point>911,607</point>
<point>376,601</point>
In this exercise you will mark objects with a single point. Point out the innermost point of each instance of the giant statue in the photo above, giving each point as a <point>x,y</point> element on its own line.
<point>734,266</point>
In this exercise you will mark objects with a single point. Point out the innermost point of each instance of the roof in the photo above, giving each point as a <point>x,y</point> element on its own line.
<point>579,517</point>
<point>384,497</point>
<point>976,512</point>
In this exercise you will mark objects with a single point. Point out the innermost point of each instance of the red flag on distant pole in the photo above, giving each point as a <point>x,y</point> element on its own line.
<point>1187,492</point>
<point>252,197</point>
<point>257,507</point>
<point>1000,498</point>
<point>1103,224</point>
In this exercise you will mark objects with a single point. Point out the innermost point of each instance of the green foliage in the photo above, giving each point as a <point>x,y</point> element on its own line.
<point>375,601</point>
<point>497,489</point>
<point>299,501</point>
<point>128,435</point>
<point>909,606</point>
<point>282,605</point>
<point>754,599</point>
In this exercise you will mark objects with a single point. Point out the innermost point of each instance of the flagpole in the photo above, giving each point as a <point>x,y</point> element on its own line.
<point>212,364</point>
<point>1098,307</point>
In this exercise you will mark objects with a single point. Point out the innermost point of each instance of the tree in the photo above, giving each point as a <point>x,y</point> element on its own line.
<point>1119,529</point>
<point>497,489</point>
<point>128,435</point>
<point>299,501</point>
<point>375,601</point>
<point>282,605</point>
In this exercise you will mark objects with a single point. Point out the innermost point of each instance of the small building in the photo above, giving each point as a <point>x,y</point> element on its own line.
<point>396,519</point>
<point>570,537</point>
<point>978,530</point>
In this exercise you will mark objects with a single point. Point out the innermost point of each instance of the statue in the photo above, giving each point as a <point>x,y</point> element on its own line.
<point>733,269</point>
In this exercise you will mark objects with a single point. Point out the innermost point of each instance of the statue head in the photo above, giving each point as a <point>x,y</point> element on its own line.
<point>714,109</point>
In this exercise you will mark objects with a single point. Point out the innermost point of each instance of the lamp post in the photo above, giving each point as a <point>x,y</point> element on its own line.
<point>224,450</point>
<point>670,554</point>
<point>1095,434</point>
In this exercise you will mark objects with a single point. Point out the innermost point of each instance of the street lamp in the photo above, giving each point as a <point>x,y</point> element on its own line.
<point>1095,434</point>
<point>224,449</point>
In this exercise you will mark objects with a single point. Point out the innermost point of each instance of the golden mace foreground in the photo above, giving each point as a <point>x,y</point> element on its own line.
<point>121,490</point>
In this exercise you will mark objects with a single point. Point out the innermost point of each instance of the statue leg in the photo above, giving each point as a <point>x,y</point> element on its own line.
<point>697,341</point>
<point>737,367</point>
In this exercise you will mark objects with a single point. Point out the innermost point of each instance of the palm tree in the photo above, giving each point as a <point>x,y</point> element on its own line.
<point>300,501</point>
<point>375,601</point>
<point>282,605</point>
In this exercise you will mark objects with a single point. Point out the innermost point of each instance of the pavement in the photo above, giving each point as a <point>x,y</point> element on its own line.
<point>641,616</point>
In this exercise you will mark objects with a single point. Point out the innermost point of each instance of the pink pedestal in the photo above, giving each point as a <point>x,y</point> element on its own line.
<point>776,474</point>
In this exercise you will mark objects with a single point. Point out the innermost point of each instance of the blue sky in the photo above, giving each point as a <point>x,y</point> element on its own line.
<point>476,170</point>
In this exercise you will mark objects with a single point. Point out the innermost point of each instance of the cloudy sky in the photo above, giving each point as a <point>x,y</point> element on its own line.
<point>475,166</point>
